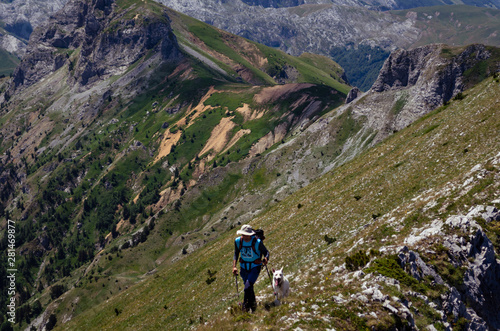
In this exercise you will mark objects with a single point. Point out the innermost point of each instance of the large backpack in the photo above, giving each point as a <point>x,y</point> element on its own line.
<point>255,249</point>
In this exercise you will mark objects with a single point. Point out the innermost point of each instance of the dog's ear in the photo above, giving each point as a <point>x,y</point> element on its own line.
<point>273,270</point>
<point>281,269</point>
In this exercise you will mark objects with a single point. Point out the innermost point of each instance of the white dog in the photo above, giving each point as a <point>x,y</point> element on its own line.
<point>281,286</point>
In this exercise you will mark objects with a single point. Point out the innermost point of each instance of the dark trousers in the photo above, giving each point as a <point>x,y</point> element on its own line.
<point>249,278</point>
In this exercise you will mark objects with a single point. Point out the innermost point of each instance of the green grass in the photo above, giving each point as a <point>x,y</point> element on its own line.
<point>209,201</point>
<point>8,62</point>
<point>195,137</point>
<point>400,103</point>
<point>230,100</point>
<point>214,38</point>
<point>313,69</point>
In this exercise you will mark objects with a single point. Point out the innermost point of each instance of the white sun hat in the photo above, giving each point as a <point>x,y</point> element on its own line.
<point>246,230</point>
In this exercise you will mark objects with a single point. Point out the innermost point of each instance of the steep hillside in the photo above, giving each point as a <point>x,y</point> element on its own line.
<point>116,111</point>
<point>133,137</point>
<point>412,189</point>
<point>187,220</point>
<point>8,62</point>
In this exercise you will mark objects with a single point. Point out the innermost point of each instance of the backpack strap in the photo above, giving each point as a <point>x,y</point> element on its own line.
<point>255,248</point>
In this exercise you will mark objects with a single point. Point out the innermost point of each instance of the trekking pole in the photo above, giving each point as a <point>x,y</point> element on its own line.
<point>237,291</point>
<point>270,279</point>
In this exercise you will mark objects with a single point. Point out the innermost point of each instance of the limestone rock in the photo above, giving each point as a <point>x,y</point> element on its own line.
<point>353,94</point>
<point>416,267</point>
<point>104,51</point>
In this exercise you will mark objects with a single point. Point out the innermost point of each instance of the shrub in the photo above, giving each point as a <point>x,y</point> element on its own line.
<point>330,240</point>
<point>56,291</point>
<point>356,261</point>
<point>52,322</point>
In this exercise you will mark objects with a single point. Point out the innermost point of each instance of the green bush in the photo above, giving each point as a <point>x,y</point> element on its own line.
<point>356,261</point>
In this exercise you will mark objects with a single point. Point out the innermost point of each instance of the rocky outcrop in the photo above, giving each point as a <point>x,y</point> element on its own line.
<point>352,95</point>
<point>413,83</point>
<point>468,249</point>
<point>429,68</point>
<point>95,41</point>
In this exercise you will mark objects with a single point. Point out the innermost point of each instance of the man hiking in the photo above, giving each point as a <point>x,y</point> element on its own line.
<point>253,255</point>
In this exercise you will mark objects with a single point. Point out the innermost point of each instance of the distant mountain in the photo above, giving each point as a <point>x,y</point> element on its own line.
<point>274,3</point>
<point>330,28</point>
<point>408,4</point>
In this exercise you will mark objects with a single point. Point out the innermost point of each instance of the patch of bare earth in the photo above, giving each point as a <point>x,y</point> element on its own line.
<point>28,141</point>
<point>269,139</point>
<point>248,113</point>
<point>168,195</point>
<point>200,108</point>
<point>248,50</point>
<point>200,169</point>
<point>219,137</point>
<point>184,66</point>
<point>170,139</point>
<point>274,93</point>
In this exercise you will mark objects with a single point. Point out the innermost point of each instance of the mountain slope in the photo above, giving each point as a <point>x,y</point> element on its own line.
<point>133,136</point>
<point>437,167</point>
<point>8,62</point>
<point>238,192</point>
<point>117,110</point>
<point>455,25</point>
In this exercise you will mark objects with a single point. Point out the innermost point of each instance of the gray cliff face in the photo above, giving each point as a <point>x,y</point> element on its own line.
<point>481,283</point>
<point>107,45</point>
<point>415,82</point>
<point>404,69</point>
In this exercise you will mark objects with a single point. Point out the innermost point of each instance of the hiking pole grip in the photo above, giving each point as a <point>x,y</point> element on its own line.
<point>236,280</point>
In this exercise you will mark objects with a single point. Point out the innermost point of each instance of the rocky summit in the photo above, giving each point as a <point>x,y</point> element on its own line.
<point>104,50</point>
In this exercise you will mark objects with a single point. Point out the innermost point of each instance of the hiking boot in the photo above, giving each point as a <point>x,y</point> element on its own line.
<point>245,307</point>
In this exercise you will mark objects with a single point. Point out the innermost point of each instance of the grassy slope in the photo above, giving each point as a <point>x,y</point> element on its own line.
<point>430,153</point>
<point>312,68</point>
<point>8,62</point>
<point>457,25</point>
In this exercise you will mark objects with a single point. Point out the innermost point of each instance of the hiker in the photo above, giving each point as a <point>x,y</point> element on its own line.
<point>253,255</point>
